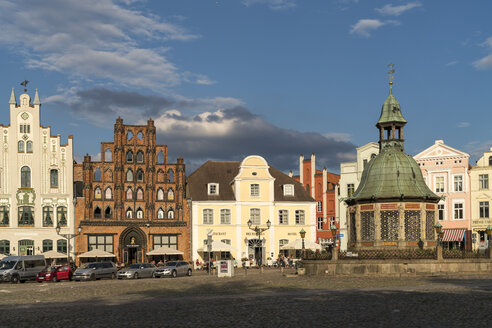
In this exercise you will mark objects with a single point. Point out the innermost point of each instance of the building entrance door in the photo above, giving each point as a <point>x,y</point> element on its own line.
<point>133,246</point>
<point>26,247</point>
<point>256,251</point>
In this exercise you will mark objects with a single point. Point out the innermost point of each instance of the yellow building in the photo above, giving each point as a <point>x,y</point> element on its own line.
<point>226,195</point>
<point>481,199</point>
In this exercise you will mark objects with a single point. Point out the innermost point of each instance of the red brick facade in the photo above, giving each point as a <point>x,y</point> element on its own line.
<point>133,199</point>
<point>313,181</point>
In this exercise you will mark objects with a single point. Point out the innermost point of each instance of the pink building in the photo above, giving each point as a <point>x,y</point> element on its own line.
<point>446,172</point>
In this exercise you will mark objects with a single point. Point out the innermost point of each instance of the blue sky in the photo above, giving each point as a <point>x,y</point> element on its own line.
<point>225,79</point>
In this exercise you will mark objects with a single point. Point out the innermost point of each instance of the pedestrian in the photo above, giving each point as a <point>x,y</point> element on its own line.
<point>197,264</point>
<point>160,263</point>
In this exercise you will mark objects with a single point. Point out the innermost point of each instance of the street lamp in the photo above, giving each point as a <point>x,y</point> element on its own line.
<point>258,232</point>
<point>303,234</point>
<point>488,230</point>
<point>439,230</point>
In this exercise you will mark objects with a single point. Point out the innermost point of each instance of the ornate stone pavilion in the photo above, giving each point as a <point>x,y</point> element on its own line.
<point>392,207</point>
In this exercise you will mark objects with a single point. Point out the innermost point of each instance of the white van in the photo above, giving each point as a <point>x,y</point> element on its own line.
<point>21,268</point>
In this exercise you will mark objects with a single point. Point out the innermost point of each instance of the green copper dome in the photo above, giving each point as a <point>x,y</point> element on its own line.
<point>392,175</point>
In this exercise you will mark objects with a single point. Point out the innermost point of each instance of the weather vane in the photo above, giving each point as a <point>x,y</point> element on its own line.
<point>24,84</point>
<point>391,71</point>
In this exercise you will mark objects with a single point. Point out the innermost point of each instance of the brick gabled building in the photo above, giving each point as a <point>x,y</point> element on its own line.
<point>133,199</point>
<point>323,187</point>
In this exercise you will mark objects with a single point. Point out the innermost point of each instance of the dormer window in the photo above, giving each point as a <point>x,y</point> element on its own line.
<point>288,190</point>
<point>213,189</point>
<point>255,190</point>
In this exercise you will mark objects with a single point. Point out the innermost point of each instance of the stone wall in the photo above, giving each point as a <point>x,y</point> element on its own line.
<point>396,267</point>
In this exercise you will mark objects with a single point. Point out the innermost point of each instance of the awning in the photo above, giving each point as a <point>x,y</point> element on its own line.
<point>217,246</point>
<point>297,244</point>
<point>96,253</point>
<point>453,234</point>
<point>164,250</point>
<point>54,255</point>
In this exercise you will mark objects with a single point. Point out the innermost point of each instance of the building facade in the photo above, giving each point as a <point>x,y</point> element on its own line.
<point>36,183</point>
<point>446,172</point>
<point>481,199</point>
<point>392,208</point>
<point>133,199</point>
<point>323,187</point>
<point>350,174</point>
<point>226,195</point>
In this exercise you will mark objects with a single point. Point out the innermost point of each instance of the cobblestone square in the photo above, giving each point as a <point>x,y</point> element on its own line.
<point>271,299</point>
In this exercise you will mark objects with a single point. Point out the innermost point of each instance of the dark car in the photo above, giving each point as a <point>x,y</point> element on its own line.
<point>174,269</point>
<point>55,274</point>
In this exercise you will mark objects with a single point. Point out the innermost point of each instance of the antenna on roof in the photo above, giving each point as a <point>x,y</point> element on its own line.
<point>391,77</point>
<point>24,84</point>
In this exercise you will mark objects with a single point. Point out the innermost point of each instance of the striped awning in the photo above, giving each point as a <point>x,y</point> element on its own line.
<point>453,234</point>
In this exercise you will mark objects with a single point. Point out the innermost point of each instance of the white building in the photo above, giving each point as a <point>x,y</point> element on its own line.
<point>350,174</point>
<point>36,183</point>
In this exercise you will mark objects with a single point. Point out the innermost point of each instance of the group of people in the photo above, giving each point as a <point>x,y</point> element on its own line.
<point>285,261</point>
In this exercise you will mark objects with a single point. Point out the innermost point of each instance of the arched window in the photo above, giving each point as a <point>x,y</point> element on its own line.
<point>54,178</point>
<point>129,156</point>
<point>170,174</point>
<point>130,135</point>
<point>140,156</point>
<point>129,175</point>
<point>160,194</point>
<point>97,174</point>
<point>4,215</point>
<point>25,177</point>
<point>170,213</point>
<point>61,246</point>
<point>170,194</point>
<point>29,146</point>
<point>160,213</point>
<point>97,193</point>
<point>140,175</point>
<point>61,215</point>
<point>108,156</point>
<point>5,247</point>
<point>129,213</point>
<point>140,213</point>
<point>108,193</point>
<point>108,214</point>
<point>140,135</point>
<point>20,146</point>
<point>47,216</point>
<point>47,245</point>
<point>140,194</point>
<point>129,193</point>
<point>160,157</point>
<point>26,216</point>
<point>97,212</point>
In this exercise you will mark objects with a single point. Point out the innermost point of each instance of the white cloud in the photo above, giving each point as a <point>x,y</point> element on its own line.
<point>94,39</point>
<point>485,62</point>
<point>452,63</point>
<point>390,10</point>
<point>364,26</point>
<point>338,136</point>
<point>463,124</point>
<point>272,4</point>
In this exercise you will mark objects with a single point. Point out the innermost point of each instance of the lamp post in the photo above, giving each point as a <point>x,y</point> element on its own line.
<point>488,230</point>
<point>69,236</point>
<point>258,232</point>
<point>303,234</point>
<point>439,230</point>
<point>334,250</point>
<point>210,233</point>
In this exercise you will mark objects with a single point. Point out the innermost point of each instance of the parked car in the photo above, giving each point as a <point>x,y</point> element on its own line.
<point>21,268</point>
<point>55,274</point>
<point>139,270</point>
<point>95,270</point>
<point>174,269</point>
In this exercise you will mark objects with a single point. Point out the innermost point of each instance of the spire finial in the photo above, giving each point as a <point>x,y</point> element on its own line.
<point>12,98</point>
<point>391,77</point>
<point>36,99</point>
<point>24,84</point>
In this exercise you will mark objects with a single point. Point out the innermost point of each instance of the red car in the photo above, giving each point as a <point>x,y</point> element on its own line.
<point>55,274</point>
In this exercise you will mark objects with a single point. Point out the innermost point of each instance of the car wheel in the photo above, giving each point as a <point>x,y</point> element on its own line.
<point>113,276</point>
<point>22,281</point>
<point>135,276</point>
<point>189,273</point>
<point>174,274</point>
<point>93,277</point>
<point>155,276</point>
<point>55,279</point>
<point>70,278</point>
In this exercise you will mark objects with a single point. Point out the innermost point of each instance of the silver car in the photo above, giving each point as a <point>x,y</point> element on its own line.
<point>135,271</point>
<point>95,270</point>
<point>174,269</point>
